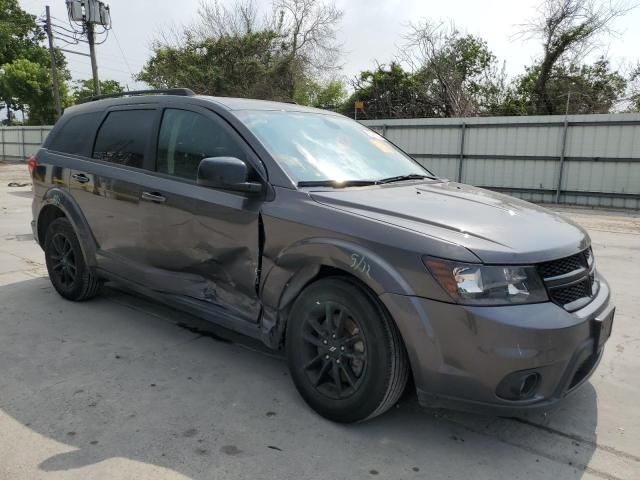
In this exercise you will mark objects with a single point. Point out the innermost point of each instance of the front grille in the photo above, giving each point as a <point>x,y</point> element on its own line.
<point>566,295</point>
<point>566,290</point>
<point>562,266</point>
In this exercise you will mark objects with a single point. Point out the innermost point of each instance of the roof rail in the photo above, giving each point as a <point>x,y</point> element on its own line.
<point>186,92</point>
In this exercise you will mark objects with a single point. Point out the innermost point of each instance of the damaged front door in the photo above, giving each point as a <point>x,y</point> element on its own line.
<point>203,243</point>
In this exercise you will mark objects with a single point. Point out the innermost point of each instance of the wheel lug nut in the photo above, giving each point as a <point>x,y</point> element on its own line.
<point>338,361</point>
<point>326,357</point>
<point>325,342</point>
<point>333,336</point>
<point>342,348</point>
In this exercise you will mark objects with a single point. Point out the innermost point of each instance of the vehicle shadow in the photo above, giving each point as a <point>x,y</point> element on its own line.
<point>123,378</point>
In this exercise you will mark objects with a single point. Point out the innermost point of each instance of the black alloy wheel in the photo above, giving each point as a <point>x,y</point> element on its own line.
<point>68,272</point>
<point>63,259</point>
<point>345,353</point>
<point>335,353</point>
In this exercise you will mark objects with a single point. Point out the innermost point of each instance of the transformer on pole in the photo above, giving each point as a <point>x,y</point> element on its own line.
<point>88,14</point>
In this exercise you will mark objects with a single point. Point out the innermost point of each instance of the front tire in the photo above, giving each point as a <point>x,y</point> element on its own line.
<point>345,354</point>
<point>67,269</point>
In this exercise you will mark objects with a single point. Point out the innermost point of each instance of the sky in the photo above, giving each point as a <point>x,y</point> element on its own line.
<point>371,31</point>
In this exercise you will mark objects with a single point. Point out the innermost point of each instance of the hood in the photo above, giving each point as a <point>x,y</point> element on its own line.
<point>496,228</point>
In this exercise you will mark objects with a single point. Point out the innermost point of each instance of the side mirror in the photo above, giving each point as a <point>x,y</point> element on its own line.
<point>227,173</point>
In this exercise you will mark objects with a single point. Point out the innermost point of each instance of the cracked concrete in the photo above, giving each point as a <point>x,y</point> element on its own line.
<point>120,387</point>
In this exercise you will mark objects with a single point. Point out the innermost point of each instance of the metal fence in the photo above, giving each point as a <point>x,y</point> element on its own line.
<point>589,160</point>
<point>19,143</point>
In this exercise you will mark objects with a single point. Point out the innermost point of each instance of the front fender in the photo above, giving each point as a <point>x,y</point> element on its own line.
<point>295,266</point>
<point>63,200</point>
<point>305,256</point>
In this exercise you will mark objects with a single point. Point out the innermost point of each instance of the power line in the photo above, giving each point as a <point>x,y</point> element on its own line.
<point>123,57</point>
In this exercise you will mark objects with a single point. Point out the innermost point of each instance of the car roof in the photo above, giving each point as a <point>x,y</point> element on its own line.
<point>233,103</point>
<point>228,103</point>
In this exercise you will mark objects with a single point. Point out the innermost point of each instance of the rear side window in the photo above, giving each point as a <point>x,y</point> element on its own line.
<point>76,134</point>
<point>186,138</point>
<point>123,137</point>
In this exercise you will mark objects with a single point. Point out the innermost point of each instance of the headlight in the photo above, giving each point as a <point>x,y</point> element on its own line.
<point>476,284</point>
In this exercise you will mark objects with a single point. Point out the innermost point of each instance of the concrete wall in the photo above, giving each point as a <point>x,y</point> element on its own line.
<point>583,159</point>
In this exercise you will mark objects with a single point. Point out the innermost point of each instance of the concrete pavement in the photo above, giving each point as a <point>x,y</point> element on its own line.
<point>120,387</point>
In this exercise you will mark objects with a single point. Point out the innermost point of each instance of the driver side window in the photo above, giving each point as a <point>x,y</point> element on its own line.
<point>186,138</point>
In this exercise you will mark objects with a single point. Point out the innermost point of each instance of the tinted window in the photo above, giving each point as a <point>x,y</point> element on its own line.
<point>123,137</point>
<point>76,134</point>
<point>188,137</point>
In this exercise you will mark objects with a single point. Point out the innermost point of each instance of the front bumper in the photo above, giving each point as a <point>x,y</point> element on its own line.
<point>460,354</point>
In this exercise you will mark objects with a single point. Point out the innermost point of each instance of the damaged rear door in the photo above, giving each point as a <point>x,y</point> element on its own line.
<point>202,243</point>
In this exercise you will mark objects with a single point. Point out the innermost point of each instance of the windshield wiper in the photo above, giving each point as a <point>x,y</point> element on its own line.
<point>363,183</point>
<point>401,178</point>
<point>337,183</point>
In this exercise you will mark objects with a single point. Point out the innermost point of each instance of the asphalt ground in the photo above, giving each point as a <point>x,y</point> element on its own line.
<point>123,388</point>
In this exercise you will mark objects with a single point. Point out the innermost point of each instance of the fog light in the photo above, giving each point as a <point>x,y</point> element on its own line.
<point>519,385</point>
<point>528,385</point>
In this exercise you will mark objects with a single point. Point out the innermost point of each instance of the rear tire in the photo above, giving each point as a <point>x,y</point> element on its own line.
<point>67,269</point>
<point>345,353</point>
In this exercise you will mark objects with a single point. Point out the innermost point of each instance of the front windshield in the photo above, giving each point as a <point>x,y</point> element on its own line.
<point>317,147</point>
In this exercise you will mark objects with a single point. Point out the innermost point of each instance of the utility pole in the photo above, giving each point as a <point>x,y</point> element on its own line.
<point>87,14</point>
<point>54,68</point>
<point>94,62</point>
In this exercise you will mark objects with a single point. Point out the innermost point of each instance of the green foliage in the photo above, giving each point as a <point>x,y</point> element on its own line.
<point>455,75</point>
<point>593,89</point>
<point>458,79</point>
<point>29,83</point>
<point>84,89</point>
<point>388,92</point>
<point>19,34</point>
<point>254,65</point>
<point>330,95</point>
<point>25,81</point>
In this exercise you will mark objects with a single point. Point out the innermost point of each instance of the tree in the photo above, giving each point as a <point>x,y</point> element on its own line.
<point>18,36</point>
<point>452,74</point>
<point>216,20</point>
<point>24,59</point>
<point>568,29</point>
<point>330,95</point>
<point>457,72</point>
<point>251,65</point>
<point>84,89</point>
<point>29,84</point>
<point>389,92</point>
<point>270,56</point>
<point>634,89</point>
<point>573,88</point>
<point>309,29</point>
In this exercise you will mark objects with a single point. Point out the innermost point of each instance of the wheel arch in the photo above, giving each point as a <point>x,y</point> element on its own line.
<point>57,203</point>
<point>312,259</point>
<point>47,214</point>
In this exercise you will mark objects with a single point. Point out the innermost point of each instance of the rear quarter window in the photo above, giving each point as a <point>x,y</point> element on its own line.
<point>76,134</point>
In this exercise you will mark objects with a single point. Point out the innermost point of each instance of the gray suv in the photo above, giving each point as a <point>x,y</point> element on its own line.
<point>312,233</point>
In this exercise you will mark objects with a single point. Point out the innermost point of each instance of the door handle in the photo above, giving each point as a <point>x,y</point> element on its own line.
<point>153,197</point>
<point>80,177</point>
